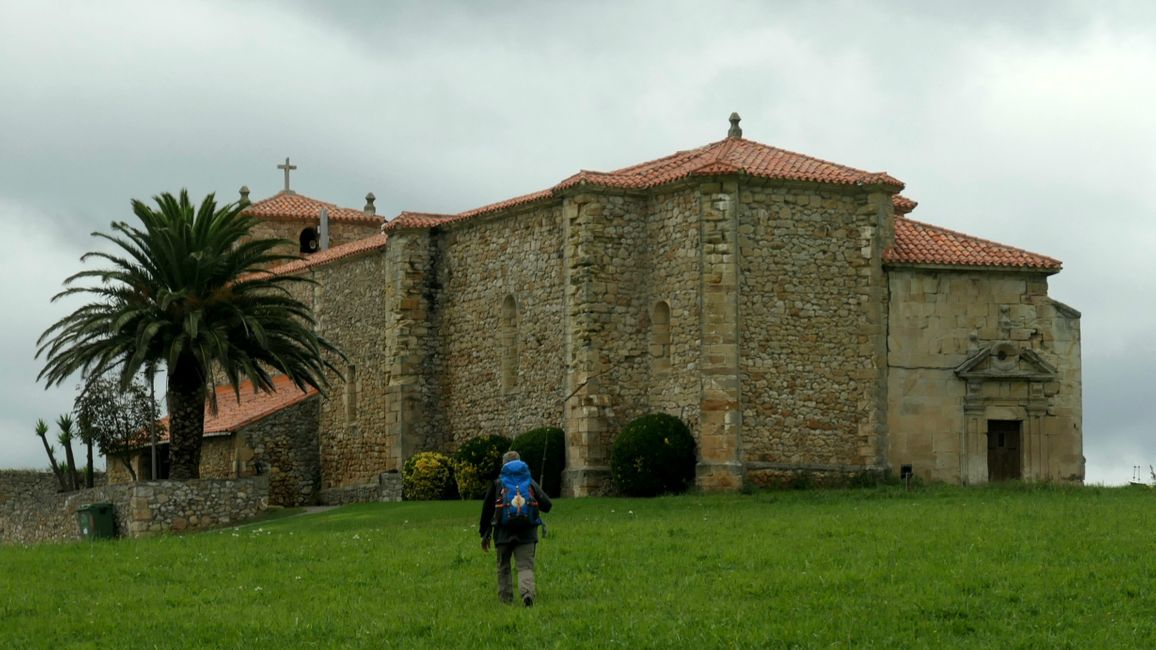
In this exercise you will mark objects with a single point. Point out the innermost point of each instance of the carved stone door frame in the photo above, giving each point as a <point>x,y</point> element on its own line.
<point>989,374</point>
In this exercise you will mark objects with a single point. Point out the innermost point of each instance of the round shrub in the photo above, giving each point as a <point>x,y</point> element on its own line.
<point>548,444</point>
<point>426,476</point>
<point>654,454</point>
<point>477,463</point>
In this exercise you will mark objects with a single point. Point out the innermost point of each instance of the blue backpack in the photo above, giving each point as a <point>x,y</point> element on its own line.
<point>517,504</point>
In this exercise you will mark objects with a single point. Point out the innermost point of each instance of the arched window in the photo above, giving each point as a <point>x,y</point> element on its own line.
<point>309,240</point>
<point>660,337</point>
<point>508,334</point>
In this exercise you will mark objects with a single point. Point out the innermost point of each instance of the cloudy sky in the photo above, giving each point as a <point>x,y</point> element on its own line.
<point>1029,123</point>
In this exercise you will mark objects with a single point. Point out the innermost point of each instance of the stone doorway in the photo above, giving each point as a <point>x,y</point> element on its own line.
<point>1003,450</point>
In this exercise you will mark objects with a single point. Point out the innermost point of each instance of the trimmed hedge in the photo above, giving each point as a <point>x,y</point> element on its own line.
<point>477,463</point>
<point>654,454</point>
<point>548,444</point>
<point>428,476</point>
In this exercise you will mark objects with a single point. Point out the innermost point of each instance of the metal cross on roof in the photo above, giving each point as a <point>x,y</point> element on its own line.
<point>287,167</point>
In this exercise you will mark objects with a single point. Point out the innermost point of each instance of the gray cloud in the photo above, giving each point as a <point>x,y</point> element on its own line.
<point>1019,122</point>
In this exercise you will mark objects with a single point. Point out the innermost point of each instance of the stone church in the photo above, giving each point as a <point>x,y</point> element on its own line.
<point>787,308</point>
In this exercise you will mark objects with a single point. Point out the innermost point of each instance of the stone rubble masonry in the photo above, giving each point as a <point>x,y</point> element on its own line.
<point>387,489</point>
<point>813,324</point>
<point>606,341</point>
<point>357,431</point>
<point>482,267</point>
<point>32,512</point>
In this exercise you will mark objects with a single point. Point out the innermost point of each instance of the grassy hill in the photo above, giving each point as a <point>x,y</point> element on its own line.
<point>939,567</point>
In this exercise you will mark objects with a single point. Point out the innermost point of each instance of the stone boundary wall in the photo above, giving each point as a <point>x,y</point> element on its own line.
<point>32,509</point>
<point>176,506</point>
<point>141,509</point>
<point>387,488</point>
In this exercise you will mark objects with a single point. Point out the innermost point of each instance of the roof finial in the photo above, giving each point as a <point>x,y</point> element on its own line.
<point>244,195</point>
<point>735,131</point>
<point>287,167</point>
<point>370,209</point>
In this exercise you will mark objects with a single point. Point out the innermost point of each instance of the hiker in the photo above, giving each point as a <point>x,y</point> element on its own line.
<point>510,515</point>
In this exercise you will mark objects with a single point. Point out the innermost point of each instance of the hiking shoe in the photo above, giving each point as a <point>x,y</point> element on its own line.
<point>527,601</point>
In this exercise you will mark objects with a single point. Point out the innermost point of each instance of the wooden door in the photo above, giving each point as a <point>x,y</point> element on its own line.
<point>1003,450</point>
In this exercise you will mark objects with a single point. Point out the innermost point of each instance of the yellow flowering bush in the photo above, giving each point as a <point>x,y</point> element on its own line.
<point>428,476</point>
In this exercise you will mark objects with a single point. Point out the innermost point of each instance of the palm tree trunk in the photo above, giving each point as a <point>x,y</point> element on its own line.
<point>72,482</point>
<point>186,398</point>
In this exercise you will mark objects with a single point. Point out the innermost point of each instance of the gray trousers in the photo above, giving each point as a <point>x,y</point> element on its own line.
<point>523,555</point>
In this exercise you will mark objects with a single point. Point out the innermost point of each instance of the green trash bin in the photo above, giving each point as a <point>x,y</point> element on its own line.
<point>96,521</point>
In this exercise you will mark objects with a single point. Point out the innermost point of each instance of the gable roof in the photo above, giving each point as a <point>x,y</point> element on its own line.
<point>291,206</point>
<point>921,243</point>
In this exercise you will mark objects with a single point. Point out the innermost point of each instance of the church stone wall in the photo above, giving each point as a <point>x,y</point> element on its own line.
<point>351,303</point>
<point>283,445</point>
<point>811,310</point>
<point>941,318</point>
<point>672,277</point>
<point>497,322</point>
<point>616,295</point>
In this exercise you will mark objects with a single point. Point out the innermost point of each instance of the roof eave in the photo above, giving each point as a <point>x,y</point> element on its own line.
<point>935,266</point>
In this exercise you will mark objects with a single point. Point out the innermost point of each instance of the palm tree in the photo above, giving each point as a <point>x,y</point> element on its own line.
<point>65,438</point>
<point>187,290</point>
<point>42,433</point>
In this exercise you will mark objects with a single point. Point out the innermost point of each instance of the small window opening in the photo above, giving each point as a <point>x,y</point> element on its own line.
<point>509,344</point>
<point>310,241</point>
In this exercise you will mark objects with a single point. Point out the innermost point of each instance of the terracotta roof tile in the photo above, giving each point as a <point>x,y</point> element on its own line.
<point>921,243</point>
<point>732,155</point>
<point>232,415</point>
<point>293,206</point>
<point>418,220</point>
<point>729,156</point>
<point>902,204</point>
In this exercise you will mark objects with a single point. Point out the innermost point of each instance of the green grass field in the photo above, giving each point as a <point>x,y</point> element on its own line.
<point>938,567</point>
